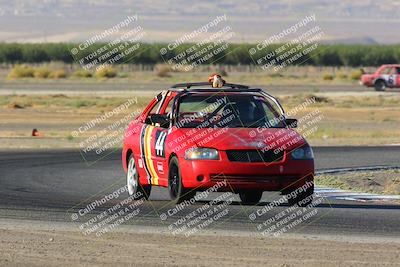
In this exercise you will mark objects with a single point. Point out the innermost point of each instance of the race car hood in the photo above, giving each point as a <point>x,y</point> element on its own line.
<point>244,138</point>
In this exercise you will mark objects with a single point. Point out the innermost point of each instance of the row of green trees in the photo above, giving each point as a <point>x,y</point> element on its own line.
<point>323,55</point>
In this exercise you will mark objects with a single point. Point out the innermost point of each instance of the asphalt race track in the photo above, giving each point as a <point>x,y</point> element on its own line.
<point>53,185</point>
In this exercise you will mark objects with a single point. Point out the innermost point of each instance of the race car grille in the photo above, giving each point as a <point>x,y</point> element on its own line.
<point>254,156</point>
<point>237,179</point>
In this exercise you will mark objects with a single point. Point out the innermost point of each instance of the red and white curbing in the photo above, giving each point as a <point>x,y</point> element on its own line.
<point>340,194</point>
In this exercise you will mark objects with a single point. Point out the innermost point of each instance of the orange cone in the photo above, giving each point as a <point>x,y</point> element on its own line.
<point>36,133</point>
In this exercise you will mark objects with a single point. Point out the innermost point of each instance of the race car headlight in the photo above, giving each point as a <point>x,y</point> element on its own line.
<point>304,152</point>
<point>201,153</point>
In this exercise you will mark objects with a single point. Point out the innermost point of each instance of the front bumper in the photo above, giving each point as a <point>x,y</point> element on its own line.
<point>366,83</point>
<point>266,176</point>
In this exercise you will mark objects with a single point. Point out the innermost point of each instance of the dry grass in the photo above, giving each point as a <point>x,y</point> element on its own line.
<point>41,73</point>
<point>82,74</point>
<point>379,182</point>
<point>106,72</point>
<point>327,77</point>
<point>61,101</point>
<point>58,74</point>
<point>369,120</point>
<point>21,71</point>
<point>294,75</point>
<point>356,74</point>
<point>163,70</point>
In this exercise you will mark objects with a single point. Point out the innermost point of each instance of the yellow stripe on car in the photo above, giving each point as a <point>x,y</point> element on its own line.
<point>147,151</point>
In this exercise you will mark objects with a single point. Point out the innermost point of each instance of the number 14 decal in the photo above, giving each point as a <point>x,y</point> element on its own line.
<point>160,143</point>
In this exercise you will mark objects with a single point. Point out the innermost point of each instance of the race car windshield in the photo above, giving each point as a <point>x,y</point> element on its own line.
<point>231,111</point>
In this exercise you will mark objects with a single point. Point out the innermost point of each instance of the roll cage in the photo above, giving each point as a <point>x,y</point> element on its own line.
<point>183,88</point>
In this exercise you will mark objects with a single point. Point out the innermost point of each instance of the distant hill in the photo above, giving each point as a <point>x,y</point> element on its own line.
<point>253,20</point>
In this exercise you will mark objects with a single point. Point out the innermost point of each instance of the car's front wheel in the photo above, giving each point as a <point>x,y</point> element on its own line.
<point>177,191</point>
<point>380,85</point>
<point>250,197</point>
<point>135,189</point>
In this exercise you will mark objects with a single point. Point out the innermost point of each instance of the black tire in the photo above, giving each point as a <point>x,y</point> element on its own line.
<point>175,187</point>
<point>135,189</point>
<point>302,199</point>
<point>250,197</point>
<point>380,85</point>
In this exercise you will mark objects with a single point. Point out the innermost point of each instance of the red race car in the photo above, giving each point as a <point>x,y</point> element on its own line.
<point>195,136</point>
<point>385,76</point>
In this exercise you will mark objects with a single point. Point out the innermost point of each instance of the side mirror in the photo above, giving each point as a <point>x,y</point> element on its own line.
<point>161,119</point>
<point>291,123</point>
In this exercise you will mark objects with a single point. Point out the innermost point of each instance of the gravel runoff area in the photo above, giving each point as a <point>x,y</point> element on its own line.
<point>34,243</point>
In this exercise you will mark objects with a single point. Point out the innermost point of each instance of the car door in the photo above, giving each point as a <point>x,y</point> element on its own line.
<point>392,77</point>
<point>152,144</point>
<point>147,136</point>
<point>159,157</point>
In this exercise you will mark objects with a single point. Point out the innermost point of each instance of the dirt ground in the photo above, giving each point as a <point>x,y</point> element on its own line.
<point>379,182</point>
<point>27,246</point>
